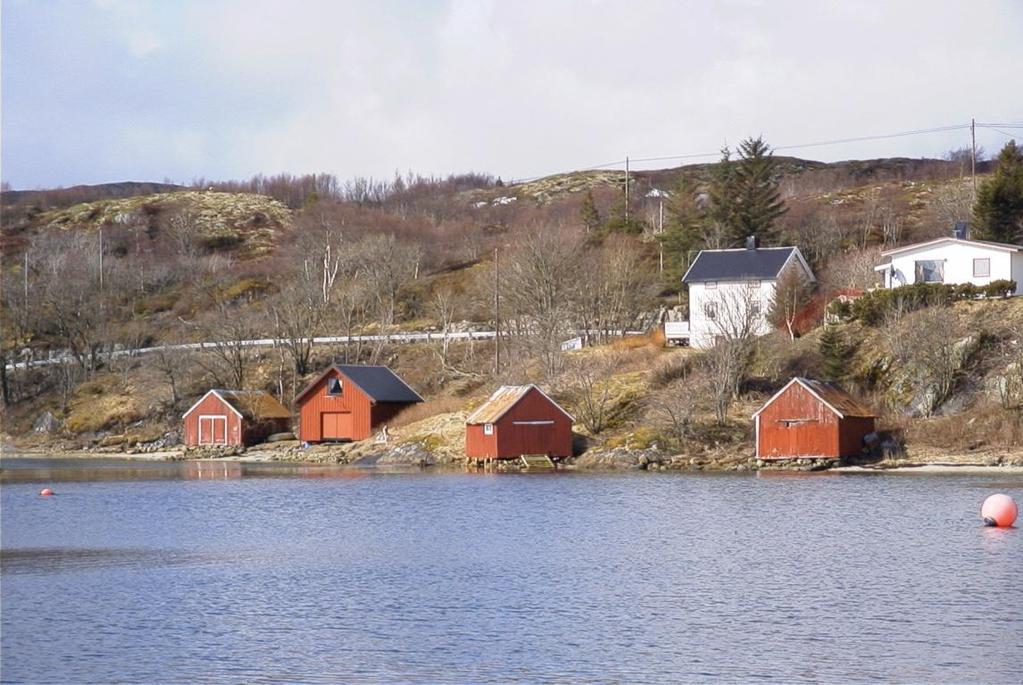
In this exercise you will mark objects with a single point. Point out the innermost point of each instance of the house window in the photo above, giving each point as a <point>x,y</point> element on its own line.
<point>754,308</point>
<point>488,429</point>
<point>712,285</point>
<point>982,267</point>
<point>334,387</point>
<point>710,310</point>
<point>930,271</point>
<point>755,284</point>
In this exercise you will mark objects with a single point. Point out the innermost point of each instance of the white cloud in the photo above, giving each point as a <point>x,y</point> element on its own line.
<point>531,87</point>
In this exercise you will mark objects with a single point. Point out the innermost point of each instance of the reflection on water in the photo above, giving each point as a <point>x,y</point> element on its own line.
<point>459,578</point>
<point>31,470</point>
<point>58,560</point>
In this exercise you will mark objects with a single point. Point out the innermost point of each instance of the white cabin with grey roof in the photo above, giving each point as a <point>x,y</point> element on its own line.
<point>952,260</point>
<point>733,289</point>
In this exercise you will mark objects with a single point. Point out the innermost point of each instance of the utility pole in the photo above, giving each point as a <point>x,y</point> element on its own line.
<point>101,260</point>
<point>660,232</point>
<point>497,315</point>
<point>626,190</point>
<point>973,156</point>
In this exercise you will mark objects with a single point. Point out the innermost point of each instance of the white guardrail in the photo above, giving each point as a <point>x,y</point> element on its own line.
<point>414,337</point>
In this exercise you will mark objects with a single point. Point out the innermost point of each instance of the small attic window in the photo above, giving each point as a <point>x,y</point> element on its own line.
<point>334,386</point>
<point>488,429</point>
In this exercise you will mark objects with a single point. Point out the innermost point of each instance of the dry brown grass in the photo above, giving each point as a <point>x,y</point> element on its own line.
<point>428,409</point>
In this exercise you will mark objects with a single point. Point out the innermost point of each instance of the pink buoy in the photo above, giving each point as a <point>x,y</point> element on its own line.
<point>999,510</point>
<point>45,492</point>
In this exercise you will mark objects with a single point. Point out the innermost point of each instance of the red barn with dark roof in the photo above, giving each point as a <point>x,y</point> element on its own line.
<point>234,417</point>
<point>348,402</point>
<point>518,420</point>
<point>808,419</point>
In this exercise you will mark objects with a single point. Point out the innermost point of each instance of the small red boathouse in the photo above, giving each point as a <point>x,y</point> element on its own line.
<point>348,402</point>
<point>811,419</point>
<point>518,420</point>
<point>234,417</point>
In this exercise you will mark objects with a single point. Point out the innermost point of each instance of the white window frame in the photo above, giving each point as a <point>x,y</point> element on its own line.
<point>987,262</point>
<point>711,285</point>
<point>710,310</point>
<point>340,387</point>
<point>488,429</point>
<point>939,262</point>
<point>212,418</point>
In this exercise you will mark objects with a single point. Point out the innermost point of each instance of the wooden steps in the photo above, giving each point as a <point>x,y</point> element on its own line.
<point>537,461</point>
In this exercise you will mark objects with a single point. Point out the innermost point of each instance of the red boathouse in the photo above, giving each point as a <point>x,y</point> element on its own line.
<point>518,420</point>
<point>234,417</point>
<point>810,419</point>
<point>348,402</point>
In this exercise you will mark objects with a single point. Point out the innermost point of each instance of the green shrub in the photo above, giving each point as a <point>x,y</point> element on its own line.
<point>874,307</point>
<point>999,288</point>
<point>840,310</point>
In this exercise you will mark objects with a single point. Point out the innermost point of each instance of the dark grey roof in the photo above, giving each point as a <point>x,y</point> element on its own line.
<point>380,383</point>
<point>734,265</point>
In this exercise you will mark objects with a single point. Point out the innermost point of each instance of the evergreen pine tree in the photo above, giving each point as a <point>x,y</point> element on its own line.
<point>833,350</point>
<point>999,207</point>
<point>721,199</point>
<point>682,234</point>
<point>588,213</point>
<point>757,200</point>
<point>617,221</point>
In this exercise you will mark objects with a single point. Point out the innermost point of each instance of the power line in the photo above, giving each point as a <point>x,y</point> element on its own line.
<point>819,143</point>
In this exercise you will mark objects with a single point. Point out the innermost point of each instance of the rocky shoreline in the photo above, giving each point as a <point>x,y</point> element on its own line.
<point>416,455</point>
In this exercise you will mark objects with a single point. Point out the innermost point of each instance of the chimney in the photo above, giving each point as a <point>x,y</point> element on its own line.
<point>961,230</point>
<point>752,242</point>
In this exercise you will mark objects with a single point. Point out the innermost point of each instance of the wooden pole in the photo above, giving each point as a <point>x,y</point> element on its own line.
<point>973,156</point>
<point>626,190</point>
<point>497,314</point>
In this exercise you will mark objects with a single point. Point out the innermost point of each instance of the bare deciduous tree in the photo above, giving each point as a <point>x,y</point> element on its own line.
<point>537,288</point>
<point>933,347</point>
<point>736,323</point>
<point>676,409</point>
<point>588,385</point>
<point>791,296</point>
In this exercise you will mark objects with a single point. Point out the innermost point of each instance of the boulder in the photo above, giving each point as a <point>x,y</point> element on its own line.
<point>46,423</point>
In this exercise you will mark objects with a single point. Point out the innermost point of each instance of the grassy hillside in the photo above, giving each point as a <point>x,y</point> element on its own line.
<point>246,221</point>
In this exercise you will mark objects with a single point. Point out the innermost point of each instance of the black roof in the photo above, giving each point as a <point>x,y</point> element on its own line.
<point>733,265</point>
<point>380,383</point>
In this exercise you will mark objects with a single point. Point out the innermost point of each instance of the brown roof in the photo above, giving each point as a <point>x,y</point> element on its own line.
<point>838,400</point>
<point>503,399</point>
<point>254,404</point>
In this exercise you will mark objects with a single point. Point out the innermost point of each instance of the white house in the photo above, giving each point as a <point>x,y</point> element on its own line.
<point>731,289</point>
<point>952,260</point>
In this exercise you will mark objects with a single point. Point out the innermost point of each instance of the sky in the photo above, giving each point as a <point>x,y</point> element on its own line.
<point>97,91</point>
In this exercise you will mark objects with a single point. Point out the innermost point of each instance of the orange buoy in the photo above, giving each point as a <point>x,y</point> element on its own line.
<point>45,492</point>
<point>999,510</point>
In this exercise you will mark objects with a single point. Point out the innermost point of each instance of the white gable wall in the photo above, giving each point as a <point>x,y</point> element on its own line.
<point>729,298</point>
<point>958,259</point>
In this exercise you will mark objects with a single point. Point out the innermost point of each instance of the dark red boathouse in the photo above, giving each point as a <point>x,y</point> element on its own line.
<point>348,402</point>
<point>518,420</point>
<point>808,419</point>
<point>234,417</point>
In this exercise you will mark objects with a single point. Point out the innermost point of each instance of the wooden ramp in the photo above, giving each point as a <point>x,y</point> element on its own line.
<point>537,461</point>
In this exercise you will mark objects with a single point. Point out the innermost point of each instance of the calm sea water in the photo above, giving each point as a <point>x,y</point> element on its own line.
<point>458,578</point>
